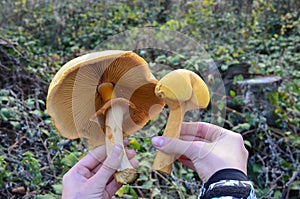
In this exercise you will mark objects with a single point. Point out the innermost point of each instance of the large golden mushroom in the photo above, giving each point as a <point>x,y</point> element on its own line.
<point>104,96</point>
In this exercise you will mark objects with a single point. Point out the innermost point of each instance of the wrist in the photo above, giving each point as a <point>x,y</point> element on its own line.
<point>227,182</point>
<point>226,174</point>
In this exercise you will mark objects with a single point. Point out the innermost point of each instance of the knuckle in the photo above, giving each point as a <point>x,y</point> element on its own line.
<point>194,150</point>
<point>109,165</point>
<point>196,146</point>
<point>239,137</point>
<point>66,177</point>
<point>246,152</point>
<point>83,171</point>
<point>240,141</point>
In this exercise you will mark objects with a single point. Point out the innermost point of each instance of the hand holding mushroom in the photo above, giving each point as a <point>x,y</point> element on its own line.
<point>205,148</point>
<point>104,96</point>
<point>91,177</point>
<point>182,90</point>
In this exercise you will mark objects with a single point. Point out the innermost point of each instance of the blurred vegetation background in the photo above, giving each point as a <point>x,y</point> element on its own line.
<point>247,39</point>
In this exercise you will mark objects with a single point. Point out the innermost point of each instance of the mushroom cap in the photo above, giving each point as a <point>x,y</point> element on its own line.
<point>183,88</point>
<point>73,98</point>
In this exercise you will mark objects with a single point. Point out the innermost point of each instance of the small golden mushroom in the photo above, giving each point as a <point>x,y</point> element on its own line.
<point>104,96</point>
<point>182,90</point>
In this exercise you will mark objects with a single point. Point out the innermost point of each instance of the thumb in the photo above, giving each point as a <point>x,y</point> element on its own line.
<point>110,165</point>
<point>175,146</point>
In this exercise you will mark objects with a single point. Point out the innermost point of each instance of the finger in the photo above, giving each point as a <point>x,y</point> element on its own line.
<point>192,138</point>
<point>134,163</point>
<point>111,188</point>
<point>126,142</point>
<point>130,153</point>
<point>109,167</point>
<point>187,162</point>
<point>202,130</point>
<point>95,170</point>
<point>175,146</point>
<point>93,158</point>
<point>83,171</point>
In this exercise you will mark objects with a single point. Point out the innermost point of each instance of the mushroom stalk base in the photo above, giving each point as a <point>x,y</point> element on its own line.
<point>163,162</point>
<point>114,135</point>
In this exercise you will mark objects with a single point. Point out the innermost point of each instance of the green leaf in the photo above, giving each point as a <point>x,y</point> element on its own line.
<point>70,160</point>
<point>37,113</point>
<point>221,105</point>
<point>232,93</point>
<point>4,92</point>
<point>248,143</point>
<point>148,184</point>
<point>295,89</point>
<point>126,188</point>
<point>57,188</point>
<point>135,144</point>
<point>46,196</point>
<point>16,124</point>
<point>295,185</point>
<point>220,120</point>
<point>41,102</point>
<point>46,132</point>
<point>155,192</point>
<point>121,191</point>
<point>273,98</point>
<point>30,103</point>
<point>161,58</point>
<point>6,99</point>
<point>133,193</point>
<point>145,163</point>
<point>241,127</point>
<point>277,194</point>
<point>256,168</point>
<point>221,50</point>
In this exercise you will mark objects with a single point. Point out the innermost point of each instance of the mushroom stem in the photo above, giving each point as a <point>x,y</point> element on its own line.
<point>114,135</point>
<point>163,162</point>
<point>106,91</point>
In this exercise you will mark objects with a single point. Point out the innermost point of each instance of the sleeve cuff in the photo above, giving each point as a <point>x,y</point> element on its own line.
<point>226,174</point>
<point>228,183</point>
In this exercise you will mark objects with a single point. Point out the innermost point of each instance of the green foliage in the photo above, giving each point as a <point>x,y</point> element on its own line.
<point>3,170</point>
<point>37,38</point>
<point>32,166</point>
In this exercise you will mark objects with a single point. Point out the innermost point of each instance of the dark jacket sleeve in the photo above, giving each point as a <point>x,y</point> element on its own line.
<point>228,183</point>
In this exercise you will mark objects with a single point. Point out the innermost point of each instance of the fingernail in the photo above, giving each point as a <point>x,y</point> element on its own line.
<point>158,141</point>
<point>118,147</point>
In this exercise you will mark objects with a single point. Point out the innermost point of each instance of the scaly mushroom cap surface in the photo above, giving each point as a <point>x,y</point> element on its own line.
<point>73,95</point>
<point>183,88</point>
